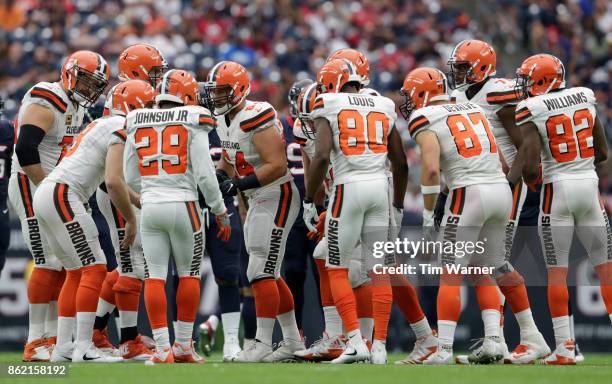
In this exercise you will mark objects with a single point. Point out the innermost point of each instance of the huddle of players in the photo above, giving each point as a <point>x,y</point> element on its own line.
<point>152,162</point>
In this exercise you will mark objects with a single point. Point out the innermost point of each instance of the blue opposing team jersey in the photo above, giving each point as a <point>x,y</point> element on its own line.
<point>7,139</point>
<point>294,154</point>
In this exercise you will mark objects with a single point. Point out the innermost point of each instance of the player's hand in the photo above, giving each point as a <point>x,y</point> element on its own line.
<point>131,228</point>
<point>225,226</point>
<point>439,210</point>
<point>533,185</point>
<point>221,176</point>
<point>320,228</point>
<point>310,215</point>
<point>228,187</point>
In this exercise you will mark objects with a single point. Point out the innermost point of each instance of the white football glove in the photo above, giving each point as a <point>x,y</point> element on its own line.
<point>310,215</point>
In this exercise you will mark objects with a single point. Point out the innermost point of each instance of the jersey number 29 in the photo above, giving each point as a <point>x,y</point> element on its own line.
<point>173,146</point>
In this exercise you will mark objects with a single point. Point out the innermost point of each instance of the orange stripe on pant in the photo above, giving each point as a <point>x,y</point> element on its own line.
<point>26,194</point>
<point>338,197</point>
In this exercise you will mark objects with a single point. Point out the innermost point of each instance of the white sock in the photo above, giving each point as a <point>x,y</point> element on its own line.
<point>231,325</point>
<point>610,315</point>
<point>265,327</point>
<point>214,321</point>
<point>525,321</point>
<point>366,327</point>
<point>446,333</point>
<point>65,327</point>
<point>36,329</point>
<point>104,307</point>
<point>421,328</point>
<point>51,319</point>
<point>355,337</point>
<point>84,333</point>
<point>490,318</point>
<point>184,332</point>
<point>162,339</point>
<point>333,322</point>
<point>128,319</point>
<point>561,327</point>
<point>289,326</point>
<point>571,327</point>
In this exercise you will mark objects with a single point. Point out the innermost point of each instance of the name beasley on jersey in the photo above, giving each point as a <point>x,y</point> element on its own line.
<point>459,107</point>
<point>159,116</point>
<point>565,101</point>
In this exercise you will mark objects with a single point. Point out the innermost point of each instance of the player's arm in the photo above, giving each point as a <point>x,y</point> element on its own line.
<point>320,163</point>
<point>37,121</point>
<point>225,167</point>
<point>507,117</point>
<point>600,145</point>
<point>131,174</point>
<point>319,197</point>
<point>271,149</point>
<point>430,172</point>
<point>530,150</point>
<point>399,168</point>
<point>118,191</point>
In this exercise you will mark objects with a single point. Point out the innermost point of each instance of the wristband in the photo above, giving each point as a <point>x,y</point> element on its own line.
<point>248,182</point>
<point>430,189</point>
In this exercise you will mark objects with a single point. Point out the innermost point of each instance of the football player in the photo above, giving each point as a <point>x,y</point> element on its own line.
<point>457,139</point>
<point>6,152</point>
<point>49,117</point>
<point>358,131</point>
<point>136,62</point>
<point>173,159</point>
<point>59,203</point>
<point>254,162</point>
<point>561,129</point>
<point>473,66</point>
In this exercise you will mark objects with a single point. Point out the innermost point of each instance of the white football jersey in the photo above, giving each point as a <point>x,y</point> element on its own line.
<point>308,146</point>
<point>468,151</point>
<point>108,102</point>
<point>237,140</point>
<point>360,125</point>
<point>565,123</point>
<point>493,96</point>
<point>172,155</point>
<point>66,125</point>
<point>82,168</point>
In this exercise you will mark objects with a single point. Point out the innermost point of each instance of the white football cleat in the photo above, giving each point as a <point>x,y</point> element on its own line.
<point>378,354</point>
<point>230,351</point>
<point>531,349</point>
<point>489,350</point>
<point>186,353</point>
<point>353,354</point>
<point>423,348</point>
<point>161,357</point>
<point>284,352</point>
<point>579,356</point>
<point>324,349</point>
<point>37,350</point>
<point>255,353</point>
<point>442,356</point>
<point>207,332</point>
<point>62,353</point>
<point>564,354</point>
<point>91,354</point>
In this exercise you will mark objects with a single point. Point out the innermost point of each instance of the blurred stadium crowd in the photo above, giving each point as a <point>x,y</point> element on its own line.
<point>284,40</point>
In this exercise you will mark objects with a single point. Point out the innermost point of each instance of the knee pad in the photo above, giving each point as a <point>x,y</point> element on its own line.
<point>126,284</point>
<point>503,269</point>
<point>226,283</point>
<point>510,279</point>
<point>92,277</point>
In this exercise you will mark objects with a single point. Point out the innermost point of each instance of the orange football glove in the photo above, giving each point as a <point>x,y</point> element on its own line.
<point>320,232</point>
<point>225,226</point>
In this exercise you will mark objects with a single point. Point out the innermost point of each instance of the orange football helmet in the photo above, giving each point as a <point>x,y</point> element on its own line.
<point>84,76</point>
<point>141,62</point>
<point>226,87</point>
<point>130,95</point>
<point>177,86</point>
<point>305,105</point>
<point>358,59</point>
<point>471,62</point>
<point>538,75</point>
<point>422,86</point>
<point>334,74</point>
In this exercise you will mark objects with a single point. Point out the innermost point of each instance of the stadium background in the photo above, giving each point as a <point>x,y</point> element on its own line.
<point>281,41</point>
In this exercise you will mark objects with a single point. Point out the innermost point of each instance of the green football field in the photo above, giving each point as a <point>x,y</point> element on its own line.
<point>596,369</point>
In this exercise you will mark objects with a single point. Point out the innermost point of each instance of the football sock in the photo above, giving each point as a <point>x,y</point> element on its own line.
<point>66,307</point>
<point>51,319</point>
<point>286,312</point>
<point>363,298</point>
<point>187,300</point>
<point>107,293</point>
<point>327,300</point>
<point>156,305</point>
<point>65,329</point>
<point>561,328</point>
<point>229,298</point>
<point>558,296</point>
<point>248,317</point>
<point>604,272</point>
<point>87,294</point>
<point>41,286</point>
<point>344,299</point>
<point>421,328</point>
<point>84,323</point>
<point>490,319</point>
<point>382,300</point>
<point>184,331</point>
<point>101,321</point>
<point>267,302</point>
<point>127,297</point>
<point>446,333</point>
<point>525,321</point>
<point>448,303</point>
<point>406,298</point>
<point>160,335</point>
<point>333,323</point>
<point>354,337</point>
<point>366,327</point>
<point>231,326</point>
